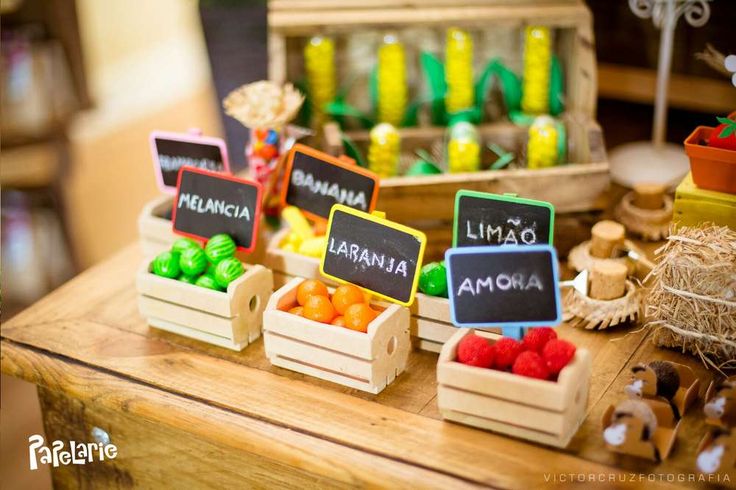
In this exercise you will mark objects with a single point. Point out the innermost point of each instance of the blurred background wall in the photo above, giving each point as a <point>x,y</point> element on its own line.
<point>85,82</point>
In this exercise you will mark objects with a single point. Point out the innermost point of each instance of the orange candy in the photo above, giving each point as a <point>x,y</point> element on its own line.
<point>358,316</point>
<point>297,310</point>
<point>310,287</point>
<point>319,308</point>
<point>346,295</point>
<point>339,321</point>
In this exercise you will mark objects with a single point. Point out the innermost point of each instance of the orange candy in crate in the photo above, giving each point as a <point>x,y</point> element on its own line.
<point>347,307</point>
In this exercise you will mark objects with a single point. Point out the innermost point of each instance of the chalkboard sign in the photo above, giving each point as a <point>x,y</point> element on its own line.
<point>373,253</point>
<point>315,181</point>
<point>492,219</point>
<point>507,286</point>
<point>172,151</point>
<point>208,203</point>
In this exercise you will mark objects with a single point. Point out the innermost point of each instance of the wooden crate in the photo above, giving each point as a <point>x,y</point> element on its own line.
<point>431,325</point>
<point>154,226</point>
<point>542,411</point>
<point>291,22</point>
<point>231,318</point>
<point>364,361</point>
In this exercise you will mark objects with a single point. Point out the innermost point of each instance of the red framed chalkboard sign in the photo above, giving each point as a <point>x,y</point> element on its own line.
<point>208,203</point>
<point>171,151</point>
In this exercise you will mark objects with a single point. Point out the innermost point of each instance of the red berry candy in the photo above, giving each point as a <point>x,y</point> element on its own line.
<point>724,135</point>
<point>475,351</point>
<point>557,354</point>
<point>535,338</point>
<point>531,365</point>
<point>507,349</point>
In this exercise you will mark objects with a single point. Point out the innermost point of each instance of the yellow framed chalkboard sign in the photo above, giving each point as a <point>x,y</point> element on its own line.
<point>373,253</point>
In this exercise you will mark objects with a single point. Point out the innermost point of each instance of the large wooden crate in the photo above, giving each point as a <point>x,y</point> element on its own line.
<point>292,22</point>
<point>364,361</point>
<point>231,318</point>
<point>542,411</point>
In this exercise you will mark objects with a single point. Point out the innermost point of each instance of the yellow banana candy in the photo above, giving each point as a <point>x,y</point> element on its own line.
<point>537,60</point>
<point>463,148</point>
<point>458,70</point>
<point>313,247</point>
<point>297,222</point>
<point>541,149</point>
<point>319,65</point>
<point>391,81</point>
<point>384,150</point>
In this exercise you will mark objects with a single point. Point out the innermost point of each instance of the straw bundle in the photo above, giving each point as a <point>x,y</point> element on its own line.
<point>263,104</point>
<point>692,300</point>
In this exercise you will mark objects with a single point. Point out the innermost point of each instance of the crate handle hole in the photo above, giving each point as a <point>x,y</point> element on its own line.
<point>254,302</point>
<point>391,346</point>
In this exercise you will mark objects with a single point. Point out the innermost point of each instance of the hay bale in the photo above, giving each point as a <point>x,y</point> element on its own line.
<point>691,303</point>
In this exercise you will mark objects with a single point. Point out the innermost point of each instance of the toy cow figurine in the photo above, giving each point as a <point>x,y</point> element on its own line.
<point>719,455</point>
<point>632,422</point>
<point>721,407</point>
<point>658,378</point>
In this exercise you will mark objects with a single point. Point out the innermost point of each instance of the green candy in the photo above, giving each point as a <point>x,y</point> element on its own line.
<point>193,261</point>
<point>207,282</point>
<point>423,167</point>
<point>228,270</point>
<point>210,271</point>
<point>433,279</point>
<point>187,279</point>
<point>166,264</point>
<point>182,244</point>
<point>219,247</point>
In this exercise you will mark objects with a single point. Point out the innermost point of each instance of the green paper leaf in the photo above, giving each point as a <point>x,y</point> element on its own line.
<point>343,109</point>
<point>352,150</point>
<point>434,71</point>
<point>304,118</point>
<point>373,91</point>
<point>729,129</point>
<point>556,87</point>
<point>411,116</point>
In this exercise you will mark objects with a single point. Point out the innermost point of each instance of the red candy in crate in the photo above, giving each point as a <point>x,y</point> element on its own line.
<point>530,364</point>
<point>557,354</point>
<point>536,338</point>
<point>474,350</point>
<point>507,349</point>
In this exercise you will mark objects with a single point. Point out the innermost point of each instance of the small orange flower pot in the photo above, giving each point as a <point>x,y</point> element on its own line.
<point>713,168</point>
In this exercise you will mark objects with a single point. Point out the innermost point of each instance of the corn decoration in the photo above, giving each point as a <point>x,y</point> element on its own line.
<point>463,148</point>
<point>391,81</point>
<point>542,146</point>
<point>384,150</point>
<point>537,62</point>
<point>459,70</point>
<point>319,64</point>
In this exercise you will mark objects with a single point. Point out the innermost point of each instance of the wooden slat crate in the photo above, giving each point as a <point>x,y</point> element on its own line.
<point>154,226</point>
<point>364,361</point>
<point>290,22</point>
<point>542,411</point>
<point>231,318</point>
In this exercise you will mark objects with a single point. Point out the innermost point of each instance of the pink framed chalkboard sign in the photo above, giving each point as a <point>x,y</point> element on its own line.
<point>172,151</point>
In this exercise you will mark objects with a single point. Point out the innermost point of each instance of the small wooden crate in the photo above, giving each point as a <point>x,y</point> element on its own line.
<point>364,361</point>
<point>154,226</point>
<point>231,318</point>
<point>546,412</point>
<point>694,206</point>
<point>431,325</point>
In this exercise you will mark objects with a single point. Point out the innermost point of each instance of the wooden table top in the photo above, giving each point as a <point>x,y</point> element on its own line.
<point>88,341</point>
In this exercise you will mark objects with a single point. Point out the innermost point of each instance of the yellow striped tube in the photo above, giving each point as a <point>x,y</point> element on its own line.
<point>458,70</point>
<point>391,81</point>
<point>537,60</point>
<point>541,149</point>
<point>383,152</point>
<point>463,148</point>
<point>319,64</point>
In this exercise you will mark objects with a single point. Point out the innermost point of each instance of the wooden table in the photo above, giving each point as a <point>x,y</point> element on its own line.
<point>182,411</point>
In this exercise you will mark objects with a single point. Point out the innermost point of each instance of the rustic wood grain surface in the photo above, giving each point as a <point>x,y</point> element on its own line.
<point>180,410</point>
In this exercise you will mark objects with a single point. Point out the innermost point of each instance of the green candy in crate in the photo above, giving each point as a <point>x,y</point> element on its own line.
<point>182,244</point>
<point>193,261</point>
<point>227,271</point>
<point>207,282</point>
<point>219,247</point>
<point>433,279</point>
<point>166,264</point>
<point>187,279</point>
